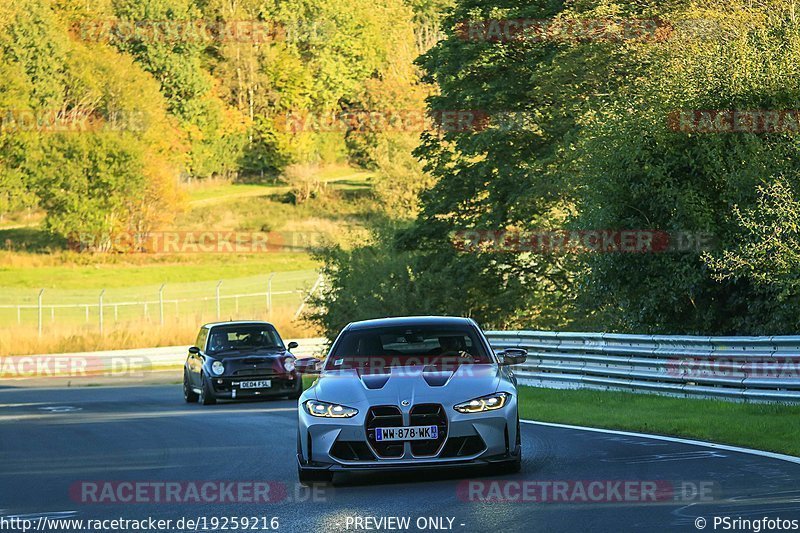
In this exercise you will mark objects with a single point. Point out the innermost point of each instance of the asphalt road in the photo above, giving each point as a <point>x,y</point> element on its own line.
<point>52,440</point>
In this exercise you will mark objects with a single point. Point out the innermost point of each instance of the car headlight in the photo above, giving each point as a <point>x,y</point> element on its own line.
<point>329,410</point>
<point>218,368</point>
<point>491,402</point>
<point>288,364</point>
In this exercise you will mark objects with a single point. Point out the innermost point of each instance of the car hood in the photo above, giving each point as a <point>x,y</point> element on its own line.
<point>254,354</point>
<point>413,384</point>
<point>268,361</point>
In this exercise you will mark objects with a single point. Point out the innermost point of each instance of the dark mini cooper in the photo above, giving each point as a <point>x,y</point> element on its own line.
<point>232,360</point>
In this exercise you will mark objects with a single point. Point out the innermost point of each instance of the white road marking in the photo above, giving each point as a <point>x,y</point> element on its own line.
<point>664,457</point>
<point>760,453</point>
<point>61,409</point>
<point>50,514</point>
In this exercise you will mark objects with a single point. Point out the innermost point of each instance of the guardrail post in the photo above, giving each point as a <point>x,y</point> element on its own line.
<point>218,307</point>
<point>269,297</point>
<point>41,292</point>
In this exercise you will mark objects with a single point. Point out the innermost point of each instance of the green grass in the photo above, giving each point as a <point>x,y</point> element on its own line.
<point>769,427</point>
<point>336,178</point>
<point>134,271</point>
<point>229,190</point>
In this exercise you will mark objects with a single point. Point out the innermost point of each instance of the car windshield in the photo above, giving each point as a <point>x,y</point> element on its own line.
<point>240,338</point>
<point>382,348</point>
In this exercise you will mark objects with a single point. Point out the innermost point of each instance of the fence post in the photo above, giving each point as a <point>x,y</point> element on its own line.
<point>19,314</point>
<point>218,308</point>
<point>100,310</point>
<point>269,296</point>
<point>40,312</point>
<point>161,303</point>
<point>309,295</point>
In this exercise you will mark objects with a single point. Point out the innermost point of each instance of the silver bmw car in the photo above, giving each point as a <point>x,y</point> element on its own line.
<point>410,393</point>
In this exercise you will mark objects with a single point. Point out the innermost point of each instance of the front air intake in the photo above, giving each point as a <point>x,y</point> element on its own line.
<point>385,416</point>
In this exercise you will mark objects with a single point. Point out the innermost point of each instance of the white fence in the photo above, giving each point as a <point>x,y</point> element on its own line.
<point>256,296</point>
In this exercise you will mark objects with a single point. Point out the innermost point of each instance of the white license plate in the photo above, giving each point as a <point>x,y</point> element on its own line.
<point>407,433</point>
<point>265,384</point>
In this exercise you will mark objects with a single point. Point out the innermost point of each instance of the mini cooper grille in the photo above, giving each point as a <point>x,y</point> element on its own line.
<point>463,446</point>
<point>255,372</point>
<point>428,415</point>
<point>384,417</point>
<point>352,451</point>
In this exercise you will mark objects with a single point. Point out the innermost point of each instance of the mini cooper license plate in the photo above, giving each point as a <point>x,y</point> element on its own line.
<point>407,433</point>
<point>264,384</point>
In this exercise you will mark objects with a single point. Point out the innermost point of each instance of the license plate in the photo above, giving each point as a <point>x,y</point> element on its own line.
<point>407,433</point>
<point>265,384</point>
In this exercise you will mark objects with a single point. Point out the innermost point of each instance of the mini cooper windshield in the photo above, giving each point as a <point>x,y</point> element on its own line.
<point>391,347</point>
<point>240,338</point>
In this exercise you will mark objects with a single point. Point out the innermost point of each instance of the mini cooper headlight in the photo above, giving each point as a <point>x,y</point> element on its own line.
<point>218,368</point>
<point>491,402</point>
<point>288,364</point>
<point>329,410</point>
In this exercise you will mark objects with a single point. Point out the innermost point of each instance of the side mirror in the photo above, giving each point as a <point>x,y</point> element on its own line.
<point>194,350</point>
<point>292,345</point>
<point>513,356</point>
<point>307,365</point>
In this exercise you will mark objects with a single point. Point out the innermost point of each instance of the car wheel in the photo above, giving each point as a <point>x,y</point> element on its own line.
<point>189,395</point>
<point>206,394</point>
<point>309,477</point>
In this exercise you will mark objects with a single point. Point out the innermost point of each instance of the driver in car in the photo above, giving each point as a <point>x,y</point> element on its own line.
<point>452,345</point>
<point>217,342</point>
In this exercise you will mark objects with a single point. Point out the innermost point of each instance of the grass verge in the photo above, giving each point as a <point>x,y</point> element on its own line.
<point>770,427</point>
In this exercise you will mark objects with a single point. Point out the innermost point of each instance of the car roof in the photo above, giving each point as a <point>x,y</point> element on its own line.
<point>235,323</point>
<point>401,321</point>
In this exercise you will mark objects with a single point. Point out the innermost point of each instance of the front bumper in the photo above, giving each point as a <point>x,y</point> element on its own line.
<point>280,385</point>
<point>345,444</point>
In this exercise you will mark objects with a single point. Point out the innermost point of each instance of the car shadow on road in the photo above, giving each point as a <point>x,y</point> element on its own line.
<point>360,479</point>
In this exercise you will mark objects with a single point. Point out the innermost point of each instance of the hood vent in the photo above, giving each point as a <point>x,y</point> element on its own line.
<point>436,378</point>
<point>375,381</point>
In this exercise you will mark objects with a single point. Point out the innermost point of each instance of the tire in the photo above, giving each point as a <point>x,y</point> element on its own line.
<point>310,477</point>
<point>189,395</point>
<point>206,393</point>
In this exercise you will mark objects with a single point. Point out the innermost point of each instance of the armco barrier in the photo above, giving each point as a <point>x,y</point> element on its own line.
<point>118,362</point>
<point>735,368</point>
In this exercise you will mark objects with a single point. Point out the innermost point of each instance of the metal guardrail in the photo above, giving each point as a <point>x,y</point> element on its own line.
<point>734,368</point>
<point>135,361</point>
